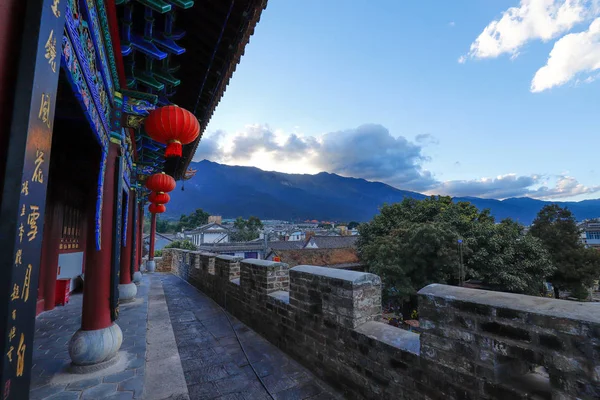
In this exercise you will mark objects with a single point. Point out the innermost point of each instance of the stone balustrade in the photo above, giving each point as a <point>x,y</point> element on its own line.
<point>475,344</point>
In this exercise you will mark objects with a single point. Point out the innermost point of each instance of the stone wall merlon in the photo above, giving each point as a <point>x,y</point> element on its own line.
<point>388,334</point>
<point>585,312</point>
<point>354,277</point>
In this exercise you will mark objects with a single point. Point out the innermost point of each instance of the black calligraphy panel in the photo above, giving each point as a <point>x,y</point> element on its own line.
<point>24,190</point>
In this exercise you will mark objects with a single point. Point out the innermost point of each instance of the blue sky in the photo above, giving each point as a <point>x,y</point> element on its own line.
<point>450,97</point>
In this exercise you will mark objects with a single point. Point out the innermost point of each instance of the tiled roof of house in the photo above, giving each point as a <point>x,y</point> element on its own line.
<point>320,257</point>
<point>286,245</point>
<point>335,242</point>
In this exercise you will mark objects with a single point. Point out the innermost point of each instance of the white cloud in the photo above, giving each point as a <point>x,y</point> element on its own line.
<point>451,24</point>
<point>531,20</point>
<point>572,54</point>
<point>371,152</point>
<point>566,186</point>
<point>512,185</point>
<point>462,59</point>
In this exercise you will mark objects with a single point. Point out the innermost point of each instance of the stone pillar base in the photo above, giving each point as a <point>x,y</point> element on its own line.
<point>137,277</point>
<point>150,266</point>
<point>95,348</point>
<point>127,291</point>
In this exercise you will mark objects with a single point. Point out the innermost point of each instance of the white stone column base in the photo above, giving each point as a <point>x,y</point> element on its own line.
<point>137,277</point>
<point>150,266</point>
<point>95,348</point>
<point>127,291</point>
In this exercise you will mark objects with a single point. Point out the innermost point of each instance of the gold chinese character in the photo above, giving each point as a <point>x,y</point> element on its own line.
<point>32,222</point>
<point>44,114</point>
<point>51,50</point>
<point>54,8</point>
<point>26,284</point>
<point>21,355</point>
<point>14,315</point>
<point>21,232</point>
<point>25,188</point>
<point>18,257</point>
<point>9,354</point>
<point>23,210</point>
<point>15,293</point>
<point>38,174</point>
<point>12,333</point>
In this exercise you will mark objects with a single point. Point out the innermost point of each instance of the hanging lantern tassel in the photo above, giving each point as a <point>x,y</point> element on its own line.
<point>173,126</point>
<point>174,149</point>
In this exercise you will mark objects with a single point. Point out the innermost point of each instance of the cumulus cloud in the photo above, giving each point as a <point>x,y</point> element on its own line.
<point>531,20</point>
<point>501,187</point>
<point>371,152</point>
<point>209,147</point>
<point>511,185</point>
<point>572,55</point>
<point>566,186</point>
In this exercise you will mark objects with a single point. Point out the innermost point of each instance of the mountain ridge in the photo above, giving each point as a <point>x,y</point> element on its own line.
<point>233,191</point>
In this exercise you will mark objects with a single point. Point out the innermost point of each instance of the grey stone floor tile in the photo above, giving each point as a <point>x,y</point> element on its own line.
<point>223,372</point>
<point>206,390</point>
<point>100,392</point>
<point>84,384</point>
<point>45,391</point>
<point>55,328</point>
<point>119,377</point>
<point>135,384</point>
<point>121,396</point>
<point>65,396</point>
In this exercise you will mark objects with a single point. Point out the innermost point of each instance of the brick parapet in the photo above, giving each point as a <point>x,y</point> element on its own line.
<point>474,346</point>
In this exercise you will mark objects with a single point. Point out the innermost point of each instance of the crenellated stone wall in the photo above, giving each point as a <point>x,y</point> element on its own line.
<point>475,344</point>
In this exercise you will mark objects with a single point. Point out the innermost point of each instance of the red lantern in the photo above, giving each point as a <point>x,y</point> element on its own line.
<point>160,183</point>
<point>159,198</point>
<point>157,208</point>
<point>173,126</point>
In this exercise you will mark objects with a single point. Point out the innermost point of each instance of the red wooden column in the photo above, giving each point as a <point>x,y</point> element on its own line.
<point>127,289</point>
<point>49,267</point>
<point>137,225</point>
<point>140,242</point>
<point>151,265</point>
<point>125,276</point>
<point>99,339</point>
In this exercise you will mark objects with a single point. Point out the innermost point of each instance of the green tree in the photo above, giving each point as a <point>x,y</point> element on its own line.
<point>246,230</point>
<point>412,256</point>
<point>576,266</point>
<point>507,259</point>
<point>415,242</point>
<point>181,244</point>
<point>353,224</point>
<point>197,218</point>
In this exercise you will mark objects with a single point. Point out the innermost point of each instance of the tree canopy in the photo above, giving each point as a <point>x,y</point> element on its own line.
<point>246,230</point>
<point>415,242</point>
<point>576,266</point>
<point>195,219</point>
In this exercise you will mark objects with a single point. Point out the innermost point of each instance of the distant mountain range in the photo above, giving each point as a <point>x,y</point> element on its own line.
<point>232,191</point>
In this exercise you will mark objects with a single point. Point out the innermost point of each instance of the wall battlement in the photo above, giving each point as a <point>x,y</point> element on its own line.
<point>475,344</point>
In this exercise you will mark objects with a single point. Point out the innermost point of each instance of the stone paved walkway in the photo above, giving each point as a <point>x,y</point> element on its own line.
<point>204,345</point>
<point>213,362</point>
<point>124,380</point>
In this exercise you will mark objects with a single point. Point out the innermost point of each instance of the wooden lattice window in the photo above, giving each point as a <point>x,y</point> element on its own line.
<point>72,218</point>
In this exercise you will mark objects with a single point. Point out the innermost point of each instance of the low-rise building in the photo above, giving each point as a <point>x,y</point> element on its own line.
<point>209,233</point>
<point>590,233</point>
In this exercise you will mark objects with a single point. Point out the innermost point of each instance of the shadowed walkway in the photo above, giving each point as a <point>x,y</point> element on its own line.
<point>213,362</point>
